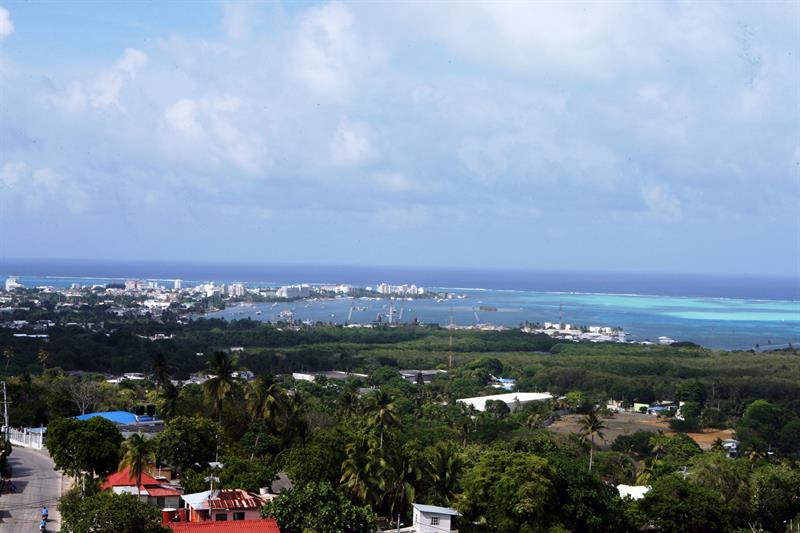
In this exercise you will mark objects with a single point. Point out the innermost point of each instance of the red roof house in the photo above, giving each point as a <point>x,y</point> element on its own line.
<point>152,491</point>
<point>221,505</point>
<point>268,525</point>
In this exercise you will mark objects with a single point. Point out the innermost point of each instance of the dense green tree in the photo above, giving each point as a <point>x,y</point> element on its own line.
<point>318,507</point>
<point>775,490</point>
<point>679,506</point>
<point>691,391</point>
<point>84,447</point>
<point>241,473</point>
<point>637,444</point>
<point>760,425</point>
<point>508,492</point>
<point>189,442</point>
<point>109,512</point>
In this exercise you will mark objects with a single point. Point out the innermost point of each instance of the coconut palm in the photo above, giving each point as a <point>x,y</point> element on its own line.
<point>43,356</point>
<point>217,388</point>
<point>8,354</point>
<point>137,453</point>
<point>444,468</point>
<point>361,471</point>
<point>382,413</point>
<point>160,369</point>
<point>265,399</point>
<point>348,399</point>
<point>592,426</point>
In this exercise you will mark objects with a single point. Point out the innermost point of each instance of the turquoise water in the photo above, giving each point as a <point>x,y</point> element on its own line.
<point>712,310</point>
<point>712,322</point>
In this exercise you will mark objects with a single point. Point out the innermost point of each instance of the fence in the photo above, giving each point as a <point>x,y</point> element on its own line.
<point>25,437</point>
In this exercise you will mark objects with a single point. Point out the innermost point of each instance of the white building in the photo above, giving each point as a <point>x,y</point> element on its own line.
<point>236,290</point>
<point>634,492</point>
<point>432,519</point>
<point>513,400</point>
<point>12,283</point>
<point>294,291</point>
<point>178,284</point>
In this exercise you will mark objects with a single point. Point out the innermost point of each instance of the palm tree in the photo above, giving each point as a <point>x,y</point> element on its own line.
<point>592,426</point>
<point>160,370</point>
<point>43,355</point>
<point>169,400</point>
<point>382,412</point>
<point>360,471</point>
<point>221,366</point>
<point>348,399</point>
<point>137,453</point>
<point>265,399</point>
<point>8,354</point>
<point>444,468</point>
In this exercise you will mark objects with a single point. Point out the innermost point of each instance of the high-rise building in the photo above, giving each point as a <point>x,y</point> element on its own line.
<point>12,283</point>
<point>178,285</point>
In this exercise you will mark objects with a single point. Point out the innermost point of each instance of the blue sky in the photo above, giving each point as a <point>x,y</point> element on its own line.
<point>618,136</point>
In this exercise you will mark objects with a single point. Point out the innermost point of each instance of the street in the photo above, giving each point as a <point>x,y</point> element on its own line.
<point>37,484</point>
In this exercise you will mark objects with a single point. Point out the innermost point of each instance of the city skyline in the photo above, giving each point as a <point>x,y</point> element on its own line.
<point>614,137</point>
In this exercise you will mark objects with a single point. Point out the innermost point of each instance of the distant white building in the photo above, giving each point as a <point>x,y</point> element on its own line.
<point>512,400</point>
<point>178,284</point>
<point>12,283</point>
<point>236,290</point>
<point>634,492</point>
<point>294,291</point>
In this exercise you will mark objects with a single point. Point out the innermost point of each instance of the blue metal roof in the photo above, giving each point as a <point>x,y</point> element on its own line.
<point>118,417</point>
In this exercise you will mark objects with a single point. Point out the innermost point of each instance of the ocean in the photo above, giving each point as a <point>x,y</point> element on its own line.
<point>728,312</point>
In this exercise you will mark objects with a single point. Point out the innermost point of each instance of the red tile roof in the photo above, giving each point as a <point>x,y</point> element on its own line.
<point>150,485</point>
<point>268,525</point>
<point>124,478</point>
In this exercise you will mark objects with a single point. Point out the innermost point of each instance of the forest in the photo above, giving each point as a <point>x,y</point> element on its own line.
<point>364,449</point>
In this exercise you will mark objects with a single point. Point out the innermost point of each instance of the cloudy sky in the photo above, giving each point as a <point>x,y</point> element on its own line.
<point>588,136</point>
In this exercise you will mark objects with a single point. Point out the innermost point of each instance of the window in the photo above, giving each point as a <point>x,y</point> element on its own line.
<point>238,515</point>
<point>160,502</point>
<point>221,517</point>
<point>434,520</point>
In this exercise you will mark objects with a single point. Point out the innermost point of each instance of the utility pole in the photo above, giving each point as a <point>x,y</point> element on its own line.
<point>450,349</point>
<point>5,412</point>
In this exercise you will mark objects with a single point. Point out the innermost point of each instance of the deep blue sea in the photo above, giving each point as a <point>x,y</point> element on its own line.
<point>732,312</point>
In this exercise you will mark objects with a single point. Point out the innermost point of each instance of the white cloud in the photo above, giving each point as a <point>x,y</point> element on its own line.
<point>205,129</point>
<point>661,202</point>
<point>106,88</point>
<point>350,144</point>
<point>393,182</point>
<point>13,174</point>
<point>6,26</point>
<point>236,20</point>
<point>327,55</point>
<point>101,91</point>
<point>42,187</point>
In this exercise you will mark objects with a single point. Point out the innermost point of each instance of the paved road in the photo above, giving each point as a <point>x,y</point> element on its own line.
<point>37,484</point>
